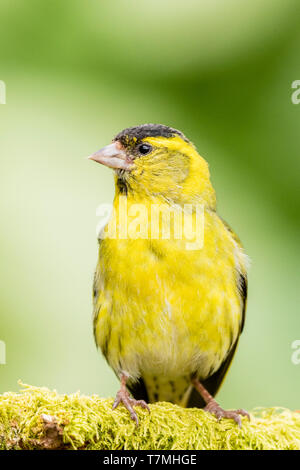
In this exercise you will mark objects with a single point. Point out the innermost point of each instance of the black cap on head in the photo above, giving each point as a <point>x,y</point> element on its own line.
<point>149,130</point>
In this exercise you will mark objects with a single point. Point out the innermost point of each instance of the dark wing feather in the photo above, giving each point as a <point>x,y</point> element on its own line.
<point>243,289</point>
<point>138,390</point>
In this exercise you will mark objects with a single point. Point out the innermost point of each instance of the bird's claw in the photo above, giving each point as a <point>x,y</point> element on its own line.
<point>124,397</point>
<point>213,408</point>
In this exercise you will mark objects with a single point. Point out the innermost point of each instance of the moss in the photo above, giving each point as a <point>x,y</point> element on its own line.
<point>37,418</point>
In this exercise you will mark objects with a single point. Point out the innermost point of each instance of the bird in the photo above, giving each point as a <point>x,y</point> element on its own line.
<point>167,312</point>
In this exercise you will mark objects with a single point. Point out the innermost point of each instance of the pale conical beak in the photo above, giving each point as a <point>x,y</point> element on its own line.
<point>112,156</point>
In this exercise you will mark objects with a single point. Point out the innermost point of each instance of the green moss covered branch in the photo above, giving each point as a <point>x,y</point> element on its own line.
<point>37,418</point>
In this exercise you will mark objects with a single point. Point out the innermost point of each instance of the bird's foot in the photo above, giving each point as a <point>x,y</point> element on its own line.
<point>124,397</point>
<point>213,408</point>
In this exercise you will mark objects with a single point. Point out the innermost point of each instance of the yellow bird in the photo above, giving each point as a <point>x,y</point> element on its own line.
<point>170,285</point>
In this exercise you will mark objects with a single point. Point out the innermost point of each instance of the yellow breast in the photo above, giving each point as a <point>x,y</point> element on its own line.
<point>166,310</point>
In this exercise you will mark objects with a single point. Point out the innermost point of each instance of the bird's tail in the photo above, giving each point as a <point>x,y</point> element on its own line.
<point>159,388</point>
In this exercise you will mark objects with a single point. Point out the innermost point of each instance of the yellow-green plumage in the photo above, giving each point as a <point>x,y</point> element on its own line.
<point>163,313</point>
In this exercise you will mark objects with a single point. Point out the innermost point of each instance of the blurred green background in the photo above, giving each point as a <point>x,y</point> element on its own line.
<point>79,71</point>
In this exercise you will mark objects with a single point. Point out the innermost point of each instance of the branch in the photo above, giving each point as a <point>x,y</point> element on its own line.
<point>37,418</point>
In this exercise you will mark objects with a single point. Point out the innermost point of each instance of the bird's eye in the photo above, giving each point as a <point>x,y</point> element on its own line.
<point>143,149</point>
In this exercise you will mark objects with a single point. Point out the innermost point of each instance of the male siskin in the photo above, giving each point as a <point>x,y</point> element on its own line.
<point>167,317</point>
